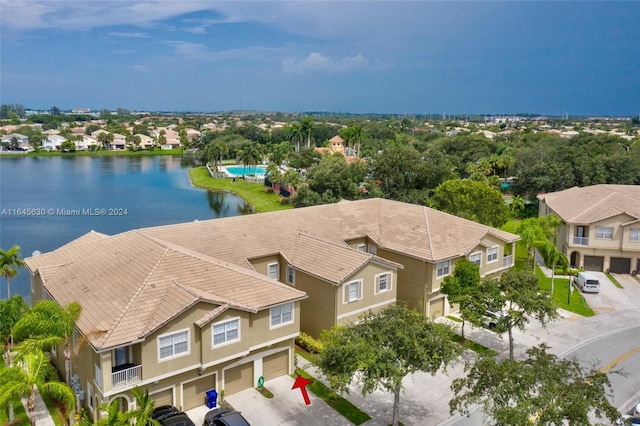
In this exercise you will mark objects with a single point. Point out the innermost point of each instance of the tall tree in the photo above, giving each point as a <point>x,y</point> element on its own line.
<point>519,294</point>
<point>36,139</point>
<point>28,377</point>
<point>461,288</point>
<point>250,154</point>
<point>11,310</point>
<point>9,261</point>
<point>383,348</point>
<point>47,324</point>
<point>105,138</point>
<point>217,150</point>
<point>279,152</point>
<point>472,200</point>
<point>306,127</point>
<point>542,389</point>
<point>552,257</point>
<point>530,233</point>
<point>296,134</point>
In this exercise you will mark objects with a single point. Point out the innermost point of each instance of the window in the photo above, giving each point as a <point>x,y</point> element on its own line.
<point>383,282</point>
<point>226,332</point>
<point>90,396</point>
<point>604,233</point>
<point>273,270</point>
<point>373,249</point>
<point>476,258</point>
<point>443,268</point>
<point>98,375</point>
<point>291,275</point>
<point>281,315</point>
<point>634,235</point>
<point>362,247</point>
<point>173,345</point>
<point>352,291</point>
<point>492,254</point>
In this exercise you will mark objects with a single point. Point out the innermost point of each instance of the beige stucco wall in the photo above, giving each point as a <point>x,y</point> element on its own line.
<point>318,310</point>
<point>350,312</point>
<point>412,280</point>
<point>261,264</point>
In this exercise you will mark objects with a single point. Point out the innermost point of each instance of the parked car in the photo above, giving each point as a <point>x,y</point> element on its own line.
<point>632,417</point>
<point>168,415</point>
<point>491,319</point>
<point>223,416</point>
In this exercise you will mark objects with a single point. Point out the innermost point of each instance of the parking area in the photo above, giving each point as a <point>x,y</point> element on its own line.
<point>612,298</point>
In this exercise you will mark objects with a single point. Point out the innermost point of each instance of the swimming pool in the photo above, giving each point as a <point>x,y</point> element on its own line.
<point>249,170</point>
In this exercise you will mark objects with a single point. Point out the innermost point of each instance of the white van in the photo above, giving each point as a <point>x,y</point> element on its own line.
<point>587,282</point>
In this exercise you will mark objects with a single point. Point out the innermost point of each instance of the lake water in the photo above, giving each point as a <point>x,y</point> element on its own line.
<point>70,196</point>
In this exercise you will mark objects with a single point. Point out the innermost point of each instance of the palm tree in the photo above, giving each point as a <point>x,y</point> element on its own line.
<point>9,260</point>
<point>36,139</point>
<point>105,138</point>
<point>29,376</point>
<point>530,233</point>
<point>296,134</point>
<point>11,310</point>
<point>144,408</point>
<point>307,125</point>
<point>516,206</point>
<point>279,152</point>
<point>552,257</point>
<point>250,154</point>
<point>46,325</point>
<point>217,150</point>
<point>114,416</point>
<point>550,224</point>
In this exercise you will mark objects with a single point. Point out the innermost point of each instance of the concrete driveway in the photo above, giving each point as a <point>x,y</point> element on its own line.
<point>612,298</point>
<point>287,406</point>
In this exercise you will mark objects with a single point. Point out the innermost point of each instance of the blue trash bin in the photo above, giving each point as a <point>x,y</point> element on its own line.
<point>212,398</point>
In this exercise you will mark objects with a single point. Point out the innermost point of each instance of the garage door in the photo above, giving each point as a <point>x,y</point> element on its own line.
<point>164,397</point>
<point>238,378</point>
<point>194,393</point>
<point>620,265</point>
<point>436,308</point>
<point>275,365</point>
<point>593,263</point>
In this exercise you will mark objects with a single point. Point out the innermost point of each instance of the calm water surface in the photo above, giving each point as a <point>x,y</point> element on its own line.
<point>137,191</point>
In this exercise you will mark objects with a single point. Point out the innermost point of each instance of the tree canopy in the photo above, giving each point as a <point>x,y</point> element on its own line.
<point>472,200</point>
<point>383,348</point>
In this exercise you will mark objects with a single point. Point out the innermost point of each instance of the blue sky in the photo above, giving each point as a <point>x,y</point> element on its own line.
<point>579,58</point>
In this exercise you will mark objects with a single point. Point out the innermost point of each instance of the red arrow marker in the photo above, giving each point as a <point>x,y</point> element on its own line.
<point>301,383</point>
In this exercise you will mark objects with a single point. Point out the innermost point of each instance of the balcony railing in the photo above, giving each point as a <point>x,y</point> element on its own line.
<point>507,261</point>
<point>127,376</point>
<point>580,241</point>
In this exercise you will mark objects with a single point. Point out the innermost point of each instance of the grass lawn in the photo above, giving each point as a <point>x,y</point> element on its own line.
<point>19,414</point>
<point>55,410</point>
<point>252,193</point>
<point>335,401</point>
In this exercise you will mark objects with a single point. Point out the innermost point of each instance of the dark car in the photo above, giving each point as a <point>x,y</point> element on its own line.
<point>168,415</point>
<point>224,417</point>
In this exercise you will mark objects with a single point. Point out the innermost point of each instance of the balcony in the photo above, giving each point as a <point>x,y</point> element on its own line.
<point>580,241</point>
<point>507,261</point>
<point>126,375</point>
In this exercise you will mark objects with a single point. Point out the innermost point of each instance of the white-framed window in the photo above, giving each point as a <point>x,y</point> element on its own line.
<point>476,258</point>
<point>273,270</point>
<point>173,345</point>
<point>383,282</point>
<point>291,275</point>
<point>634,235</point>
<point>352,291</point>
<point>373,249</point>
<point>225,332</point>
<point>362,247</point>
<point>98,375</point>
<point>604,233</point>
<point>492,254</point>
<point>90,400</point>
<point>281,314</point>
<point>443,268</point>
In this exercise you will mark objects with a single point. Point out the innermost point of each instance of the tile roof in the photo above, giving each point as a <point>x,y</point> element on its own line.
<point>594,203</point>
<point>131,283</point>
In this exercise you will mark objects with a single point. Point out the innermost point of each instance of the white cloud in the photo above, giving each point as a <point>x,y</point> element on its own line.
<point>318,62</point>
<point>128,35</point>
<point>140,68</point>
<point>200,52</point>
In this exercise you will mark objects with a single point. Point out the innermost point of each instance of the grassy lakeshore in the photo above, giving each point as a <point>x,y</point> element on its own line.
<point>124,152</point>
<point>252,193</point>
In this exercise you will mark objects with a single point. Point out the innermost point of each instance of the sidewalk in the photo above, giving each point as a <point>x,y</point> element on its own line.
<point>41,415</point>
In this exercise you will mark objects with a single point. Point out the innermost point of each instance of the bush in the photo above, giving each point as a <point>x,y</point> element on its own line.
<point>285,200</point>
<point>308,343</point>
<point>269,190</point>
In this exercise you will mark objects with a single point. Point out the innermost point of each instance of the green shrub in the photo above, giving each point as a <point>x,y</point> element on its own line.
<point>308,343</point>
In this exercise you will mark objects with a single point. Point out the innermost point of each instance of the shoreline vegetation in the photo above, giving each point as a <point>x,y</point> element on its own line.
<point>253,193</point>
<point>123,152</point>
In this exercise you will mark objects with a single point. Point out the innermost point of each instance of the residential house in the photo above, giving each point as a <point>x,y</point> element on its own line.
<point>21,142</point>
<point>337,146</point>
<point>600,228</point>
<point>87,143</point>
<point>154,299</point>
<point>53,142</point>
<point>167,319</point>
